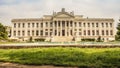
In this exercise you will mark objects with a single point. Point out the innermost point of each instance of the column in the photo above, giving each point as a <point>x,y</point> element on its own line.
<point>61,28</point>
<point>53,32</point>
<point>65,28</point>
<point>69,28</point>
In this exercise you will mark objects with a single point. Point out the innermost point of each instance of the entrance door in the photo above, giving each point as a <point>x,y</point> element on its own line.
<point>63,32</point>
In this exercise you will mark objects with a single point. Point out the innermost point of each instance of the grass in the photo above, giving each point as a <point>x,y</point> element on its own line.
<point>81,57</point>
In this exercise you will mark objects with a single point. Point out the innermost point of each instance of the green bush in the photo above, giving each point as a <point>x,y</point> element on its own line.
<point>40,39</point>
<point>88,39</point>
<point>83,58</point>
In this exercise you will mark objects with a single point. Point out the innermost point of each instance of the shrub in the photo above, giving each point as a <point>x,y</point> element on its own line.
<point>88,39</point>
<point>40,39</point>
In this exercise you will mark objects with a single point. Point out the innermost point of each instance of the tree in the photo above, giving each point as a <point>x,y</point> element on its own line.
<point>3,32</point>
<point>118,33</point>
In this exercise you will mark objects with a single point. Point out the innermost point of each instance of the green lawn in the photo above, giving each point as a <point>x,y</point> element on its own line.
<point>82,57</point>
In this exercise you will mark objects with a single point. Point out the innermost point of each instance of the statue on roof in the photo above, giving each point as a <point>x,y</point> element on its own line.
<point>63,10</point>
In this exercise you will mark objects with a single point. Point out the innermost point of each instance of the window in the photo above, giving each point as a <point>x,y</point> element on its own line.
<point>75,24</point>
<point>71,23</point>
<point>88,32</point>
<point>14,33</point>
<point>111,32</point>
<point>37,24</point>
<point>46,29</point>
<point>32,32</point>
<point>46,33</point>
<point>37,32</point>
<point>18,25</point>
<point>50,24</point>
<point>93,32</point>
<point>79,24</point>
<point>23,33</point>
<point>14,25</point>
<point>28,25</point>
<point>18,33</point>
<point>106,24</point>
<point>84,32</point>
<point>41,32</point>
<point>96,24</point>
<point>97,32</point>
<point>41,24</point>
<point>84,24</point>
<point>103,32</point>
<point>59,23</point>
<point>110,24</point>
<point>107,32</point>
<point>28,33</point>
<point>23,25</point>
<point>88,24</point>
<point>102,24</point>
<point>92,24</point>
<point>46,24</point>
<point>32,24</point>
<point>67,23</point>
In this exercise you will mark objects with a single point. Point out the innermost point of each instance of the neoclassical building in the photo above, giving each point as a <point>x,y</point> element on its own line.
<point>63,26</point>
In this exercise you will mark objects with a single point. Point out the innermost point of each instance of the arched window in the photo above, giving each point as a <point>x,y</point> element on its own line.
<point>102,24</point>
<point>111,32</point>
<point>14,33</point>
<point>18,33</point>
<point>32,32</point>
<point>97,32</point>
<point>88,24</point>
<point>37,32</point>
<point>28,32</point>
<point>88,32</point>
<point>23,32</point>
<point>84,32</point>
<point>14,25</point>
<point>93,32</point>
<point>107,32</point>
<point>92,24</point>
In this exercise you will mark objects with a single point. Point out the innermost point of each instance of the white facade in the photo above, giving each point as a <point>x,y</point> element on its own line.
<point>64,25</point>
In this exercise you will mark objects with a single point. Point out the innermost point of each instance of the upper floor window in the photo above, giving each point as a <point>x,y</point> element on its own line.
<point>37,24</point>
<point>67,23</point>
<point>107,32</point>
<point>41,24</point>
<point>79,24</point>
<point>18,25</point>
<point>84,24</point>
<point>92,24</point>
<point>51,24</point>
<point>88,32</point>
<point>93,32</point>
<point>23,25</point>
<point>110,24</point>
<point>46,24</point>
<point>37,32</point>
<point>102,24</point>
<point>111,32</point>
<point>106,24</point>
<point>14,33</point>
<point>84,32</point>
<point>33,25</point>
<point>96,24</point>
<point>75,24</point>
<point>97,32</point>
<point>23,32</point>
<point>71,23</point>
<point>103,32</point>
<point>28,25</point>
<point>88,24</point>
<point>18,33</point>
<point>14,25</point>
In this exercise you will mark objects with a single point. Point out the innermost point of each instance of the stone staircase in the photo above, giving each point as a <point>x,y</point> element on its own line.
<point>61,38</point>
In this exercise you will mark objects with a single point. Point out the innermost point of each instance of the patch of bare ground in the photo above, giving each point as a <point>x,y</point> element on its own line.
<point>14,65</point>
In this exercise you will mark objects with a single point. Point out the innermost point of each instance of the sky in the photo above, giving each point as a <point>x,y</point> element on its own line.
<point>12,9</point>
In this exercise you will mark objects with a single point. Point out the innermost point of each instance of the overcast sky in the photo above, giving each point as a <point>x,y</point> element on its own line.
<point>10,9</point>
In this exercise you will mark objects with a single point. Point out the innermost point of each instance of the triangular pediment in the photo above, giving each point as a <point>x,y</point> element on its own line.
<point>63,15</point>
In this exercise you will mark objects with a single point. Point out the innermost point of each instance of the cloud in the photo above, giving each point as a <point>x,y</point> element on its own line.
<point>10,9</point>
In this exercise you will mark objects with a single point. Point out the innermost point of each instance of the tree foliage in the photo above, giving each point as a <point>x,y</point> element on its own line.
<point>118,32</point>
<point>3,32</point>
